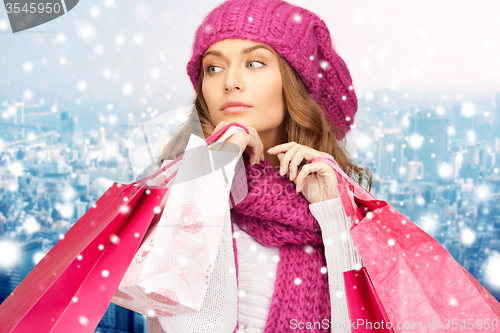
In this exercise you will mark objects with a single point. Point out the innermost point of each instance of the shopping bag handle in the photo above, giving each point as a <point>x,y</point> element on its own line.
<point>209,140</point>
<point>341,175</point>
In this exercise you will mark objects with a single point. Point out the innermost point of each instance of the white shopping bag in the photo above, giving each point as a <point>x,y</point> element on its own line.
<point>171,269</point>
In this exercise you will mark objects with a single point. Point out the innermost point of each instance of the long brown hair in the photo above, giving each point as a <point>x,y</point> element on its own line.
<point>304,123</point>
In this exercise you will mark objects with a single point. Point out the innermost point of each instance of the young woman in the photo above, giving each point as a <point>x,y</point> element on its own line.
<point>271,67</point>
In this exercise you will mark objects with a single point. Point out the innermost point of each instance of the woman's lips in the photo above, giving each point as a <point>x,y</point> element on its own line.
<point>236,109</point>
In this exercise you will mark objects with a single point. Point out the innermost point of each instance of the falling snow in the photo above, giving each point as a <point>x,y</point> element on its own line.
<point>415,141</point>
<point>467,236</point>
<point>14,253</point>
<point>111,74</point>
<point>468,110</point>
<point>86,31</point>
<point>492,269</point>
<point>445,170</point>
<point>127,89</point>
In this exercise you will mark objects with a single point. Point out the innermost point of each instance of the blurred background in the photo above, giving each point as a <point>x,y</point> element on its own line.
<point>427,75</point>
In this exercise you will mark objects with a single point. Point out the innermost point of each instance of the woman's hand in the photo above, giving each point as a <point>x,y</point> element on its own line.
<point>317,181</point>
<point>250,143</point>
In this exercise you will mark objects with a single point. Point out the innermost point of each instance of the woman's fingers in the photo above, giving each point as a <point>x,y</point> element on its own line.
<point>256,146</point>
<point>287,158</point>
<point>219,126</point>
<point>249,143</point>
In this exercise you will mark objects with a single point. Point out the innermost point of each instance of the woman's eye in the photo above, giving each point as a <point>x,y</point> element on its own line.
<point>209,69</point>
<point>256,62</point>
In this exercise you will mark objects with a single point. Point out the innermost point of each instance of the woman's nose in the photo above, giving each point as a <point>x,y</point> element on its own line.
<point>233,81</point>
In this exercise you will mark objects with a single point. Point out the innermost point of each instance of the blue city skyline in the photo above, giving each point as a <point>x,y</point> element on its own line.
<point>73,89</point>
<point>439,167</point>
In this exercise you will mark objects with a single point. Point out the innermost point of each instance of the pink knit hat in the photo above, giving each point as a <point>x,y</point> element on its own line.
<point>298,35</point>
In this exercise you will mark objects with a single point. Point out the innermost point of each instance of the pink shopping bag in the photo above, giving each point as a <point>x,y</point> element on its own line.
<point>364,306</point>
<point>71,287</point>
<point>421,287</point>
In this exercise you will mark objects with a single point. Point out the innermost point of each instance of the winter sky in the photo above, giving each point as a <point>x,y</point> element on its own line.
<point>131,55</point>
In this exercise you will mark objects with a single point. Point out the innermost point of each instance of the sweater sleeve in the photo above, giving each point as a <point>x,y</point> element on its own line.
<point>341,256</point>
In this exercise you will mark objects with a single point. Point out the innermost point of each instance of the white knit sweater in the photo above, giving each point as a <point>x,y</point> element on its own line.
<point>257,272</point>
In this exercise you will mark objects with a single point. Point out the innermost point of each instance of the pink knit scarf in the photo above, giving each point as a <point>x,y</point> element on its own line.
<point>275,215</point>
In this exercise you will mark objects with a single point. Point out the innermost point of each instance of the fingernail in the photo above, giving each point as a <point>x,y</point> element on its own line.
<point>270,149</point>
<point>281,171</point>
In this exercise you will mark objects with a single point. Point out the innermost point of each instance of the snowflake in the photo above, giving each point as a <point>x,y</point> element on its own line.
<point>28,94</point>
<point>483,192</point>
<point>445,170</point>
<point>31,225</point>
<point>86,32</point>
<point>440,111</point>
<point>120,40</point>
<point>127,88</point>
<point>471,136</point>
<point>83,320</point>
<point>467,236</point>
<point>308,249</point>
<point>468,110</point>
<point>37,257</point>
<point>16,169</point>
<point>28,66</point>
<point>13,253</point>
<point>420,200</point>
<point>81,86</point>
<point>415,141</point>
<point>139,39</point>
<point>492,268</point>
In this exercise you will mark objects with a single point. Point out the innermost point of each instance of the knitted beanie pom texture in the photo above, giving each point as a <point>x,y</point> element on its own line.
<point>299,36</point>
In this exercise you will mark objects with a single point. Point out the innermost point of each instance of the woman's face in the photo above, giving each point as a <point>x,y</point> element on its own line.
<point>244,71</point>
